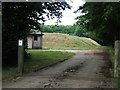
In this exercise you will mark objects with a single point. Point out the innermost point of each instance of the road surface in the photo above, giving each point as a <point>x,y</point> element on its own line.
<point>83,70</point>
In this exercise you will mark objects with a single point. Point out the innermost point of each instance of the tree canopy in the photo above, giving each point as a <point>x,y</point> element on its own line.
<point>68,29</point>
<point>103,18</point>
<point>18,18</point>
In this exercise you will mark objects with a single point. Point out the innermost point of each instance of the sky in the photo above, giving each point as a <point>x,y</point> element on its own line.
<point>68,15</point>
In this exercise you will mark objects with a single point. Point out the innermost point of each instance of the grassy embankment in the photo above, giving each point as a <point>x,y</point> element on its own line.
<point>61,41</point>
<point>37,60</point>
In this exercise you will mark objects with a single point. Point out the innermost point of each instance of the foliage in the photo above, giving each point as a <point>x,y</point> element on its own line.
<point>102,18</point>
<point>76,30</point>
<point>80,31</point>
<point>58,29</point>
<point>19,18</point>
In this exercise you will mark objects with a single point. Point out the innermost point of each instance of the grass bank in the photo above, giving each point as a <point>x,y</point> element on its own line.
<point>37,60</point>
<point>68,42</point>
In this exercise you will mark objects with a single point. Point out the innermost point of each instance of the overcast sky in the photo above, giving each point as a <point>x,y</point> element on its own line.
<point>68,15</point>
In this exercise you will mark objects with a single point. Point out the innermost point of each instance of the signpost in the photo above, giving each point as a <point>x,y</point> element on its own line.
<point>20,56</point>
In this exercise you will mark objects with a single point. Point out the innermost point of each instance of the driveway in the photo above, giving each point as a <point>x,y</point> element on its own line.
<point>83,70</point>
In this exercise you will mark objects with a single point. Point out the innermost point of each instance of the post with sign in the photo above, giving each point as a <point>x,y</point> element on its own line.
<point>20,56</point>
<point>117,59</point>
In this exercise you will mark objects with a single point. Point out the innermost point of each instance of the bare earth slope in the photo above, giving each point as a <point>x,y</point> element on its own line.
<point>81,71</point>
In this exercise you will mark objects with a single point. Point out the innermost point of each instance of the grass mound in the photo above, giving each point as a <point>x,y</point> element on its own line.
<point>62,41</point>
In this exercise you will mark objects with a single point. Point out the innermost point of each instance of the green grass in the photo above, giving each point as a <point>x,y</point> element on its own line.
<point>68,42</point>
<point>112,57</point>
<point>37,60</point>
<point>76,48</point>
<point>116,82</point>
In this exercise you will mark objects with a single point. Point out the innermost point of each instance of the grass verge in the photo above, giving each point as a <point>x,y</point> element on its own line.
<point>111,57</point>
<point>116,82</point>
<point>37,60</point>
<point>76,48</point>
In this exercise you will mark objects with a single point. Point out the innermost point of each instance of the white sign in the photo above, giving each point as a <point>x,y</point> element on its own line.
<point>20,42</point>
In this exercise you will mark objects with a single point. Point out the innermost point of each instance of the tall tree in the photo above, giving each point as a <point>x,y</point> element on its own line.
<point>102,18</point>
<point>19,18</point>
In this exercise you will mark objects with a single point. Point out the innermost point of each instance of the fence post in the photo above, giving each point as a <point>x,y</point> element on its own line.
<point>117,59</point>
<point>20,56</point>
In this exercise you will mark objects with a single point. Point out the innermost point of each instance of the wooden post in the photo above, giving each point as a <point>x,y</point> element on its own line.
<point>20,56</point>
<point>117,59</point>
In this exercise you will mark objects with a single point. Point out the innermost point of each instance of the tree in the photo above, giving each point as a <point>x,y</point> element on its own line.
<point>19,18</point>
<point>69,29</point>
<point>102,18</point>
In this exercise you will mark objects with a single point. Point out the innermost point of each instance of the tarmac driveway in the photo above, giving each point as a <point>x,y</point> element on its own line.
<point>83,70</point>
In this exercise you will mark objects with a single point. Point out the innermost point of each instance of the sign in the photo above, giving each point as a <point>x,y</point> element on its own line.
<point>20,42</point>
<point>20,56</point>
